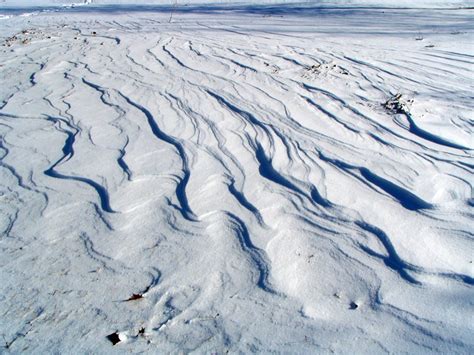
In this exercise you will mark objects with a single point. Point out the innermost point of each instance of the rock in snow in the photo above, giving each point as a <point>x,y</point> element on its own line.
<point>290,179</point>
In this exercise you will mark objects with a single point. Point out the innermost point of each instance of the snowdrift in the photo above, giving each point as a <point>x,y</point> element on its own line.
<point>238,180</point>
<point>378,3</point>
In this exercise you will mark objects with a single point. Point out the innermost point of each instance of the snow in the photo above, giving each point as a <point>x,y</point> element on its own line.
<point>331,3</point>
<point>290,179</point>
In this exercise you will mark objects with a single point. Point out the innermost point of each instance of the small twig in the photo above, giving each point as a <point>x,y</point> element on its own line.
<point>135,296</point>
<point>172,10</point>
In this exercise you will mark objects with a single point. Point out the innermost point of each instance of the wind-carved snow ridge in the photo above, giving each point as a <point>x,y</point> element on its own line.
<point>238,179</point>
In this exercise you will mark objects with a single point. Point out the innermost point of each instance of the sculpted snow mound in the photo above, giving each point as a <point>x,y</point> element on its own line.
<point>380,3</point>
<point>239,179</point>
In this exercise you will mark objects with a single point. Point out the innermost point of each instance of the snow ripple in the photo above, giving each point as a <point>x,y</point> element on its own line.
<point>235,181</point>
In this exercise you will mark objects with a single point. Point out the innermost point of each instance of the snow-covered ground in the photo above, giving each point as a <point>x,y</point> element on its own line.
<point>239,179</point>
<point>332,3</point>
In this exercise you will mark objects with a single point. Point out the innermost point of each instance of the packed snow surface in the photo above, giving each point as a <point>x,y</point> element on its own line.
<point>239,179</point>
<point>380,3</point>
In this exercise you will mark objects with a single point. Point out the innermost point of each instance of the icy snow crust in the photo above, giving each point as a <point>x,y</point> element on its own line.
<point>242,179</point>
